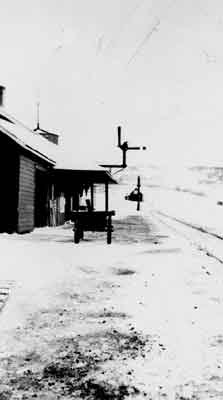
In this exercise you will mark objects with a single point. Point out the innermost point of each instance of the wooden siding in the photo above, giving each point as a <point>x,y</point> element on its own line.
<point>26,195</point>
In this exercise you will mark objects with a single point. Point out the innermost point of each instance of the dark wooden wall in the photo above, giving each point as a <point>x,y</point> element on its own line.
<point>24,188</point>
<point>9,167</point>
<point>26,198</point>
<point>34,192</point>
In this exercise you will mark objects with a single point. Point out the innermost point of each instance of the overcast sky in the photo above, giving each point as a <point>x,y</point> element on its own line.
<point>153,66</point>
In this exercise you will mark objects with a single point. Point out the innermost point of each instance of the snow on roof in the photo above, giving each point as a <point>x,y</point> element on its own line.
<point>75,161</point>
<point>37,144</point>
<point>27,138</point>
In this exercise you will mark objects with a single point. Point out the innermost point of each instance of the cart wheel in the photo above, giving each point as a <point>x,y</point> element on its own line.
<point>77,236</point>
<point>109,236</point>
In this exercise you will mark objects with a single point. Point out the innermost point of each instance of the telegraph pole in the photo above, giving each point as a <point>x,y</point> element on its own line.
<point>138,191</point>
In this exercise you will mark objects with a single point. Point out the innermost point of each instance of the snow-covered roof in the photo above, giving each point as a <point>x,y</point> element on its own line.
<point>50,152</point>
<point>75,161</point>
<point>75,166</point>
<point>27,138</point>
<point>37,144</point>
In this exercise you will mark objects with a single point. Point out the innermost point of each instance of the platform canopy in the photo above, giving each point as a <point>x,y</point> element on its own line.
<point>82,176</point>
<point>77,168</point>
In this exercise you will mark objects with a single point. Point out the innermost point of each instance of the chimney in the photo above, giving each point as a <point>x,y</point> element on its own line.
<point>2,88</point>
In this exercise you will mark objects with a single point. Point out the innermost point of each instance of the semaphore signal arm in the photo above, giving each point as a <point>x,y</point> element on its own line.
<point>124,147</point>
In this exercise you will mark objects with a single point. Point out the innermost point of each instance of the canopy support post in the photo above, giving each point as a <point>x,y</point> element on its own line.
<point>138,190</point>
<point>92,196</point>
<point>106,196</point>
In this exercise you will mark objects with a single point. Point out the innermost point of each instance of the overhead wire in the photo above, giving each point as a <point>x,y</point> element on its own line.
<point>143,42</point>
<point>148,35</point>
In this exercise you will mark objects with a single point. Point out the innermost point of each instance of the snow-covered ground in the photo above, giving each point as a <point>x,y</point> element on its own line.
<point>193,195</point>
<point>141,318</point>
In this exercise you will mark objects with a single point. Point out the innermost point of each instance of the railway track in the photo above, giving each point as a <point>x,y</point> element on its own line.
<point>197,236</point>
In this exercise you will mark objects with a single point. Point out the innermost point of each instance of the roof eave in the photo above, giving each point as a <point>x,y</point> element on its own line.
<point>27,147</point>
